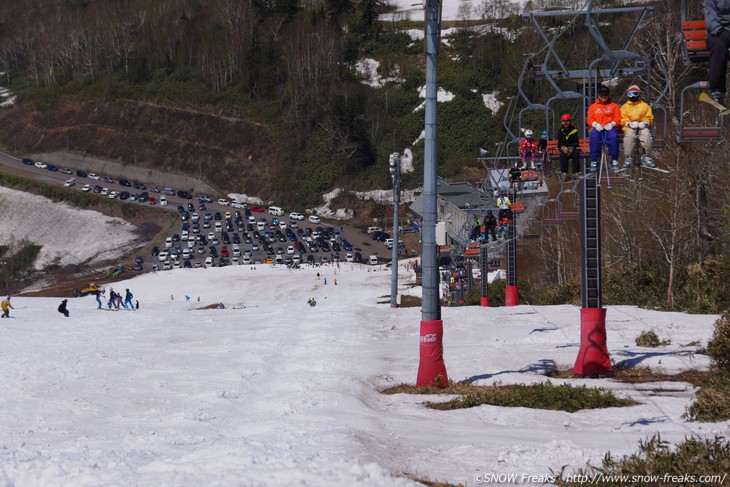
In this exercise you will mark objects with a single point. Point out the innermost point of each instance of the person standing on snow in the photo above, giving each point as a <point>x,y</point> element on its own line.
<point>128,299</point>
<point>112,298</point>
<point>98,298</point>
<point>6,306</point>
<point>603,118</point>
<point>636,118</point>
<point>62,308</point>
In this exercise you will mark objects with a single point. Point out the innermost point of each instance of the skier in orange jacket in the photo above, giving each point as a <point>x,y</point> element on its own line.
<point>604,116</point>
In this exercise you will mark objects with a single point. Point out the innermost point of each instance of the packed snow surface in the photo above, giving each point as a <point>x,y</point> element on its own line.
<point>84,237</point>
<point>272,392</point>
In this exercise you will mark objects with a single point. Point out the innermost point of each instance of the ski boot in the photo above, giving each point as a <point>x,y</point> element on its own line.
<point>628,162</point>
<point>614,165</point>
<point>594,166</point>
<point>647,161</point>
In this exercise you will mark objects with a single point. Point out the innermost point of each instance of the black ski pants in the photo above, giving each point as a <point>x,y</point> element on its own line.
<point>575,156</point>
<point>718,46</point>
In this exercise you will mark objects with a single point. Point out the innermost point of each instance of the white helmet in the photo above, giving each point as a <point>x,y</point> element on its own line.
<point>528,133</point>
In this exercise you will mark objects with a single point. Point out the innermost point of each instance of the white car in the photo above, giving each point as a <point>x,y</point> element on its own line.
<point>41,165</point>
<point>163,200</point>
<point>236,204</point>
<point>69,182</point>
<point>223,202</point>
<point>93,176</point>
<point>113,194</point>
<point>349,257</point>
<point>314,219</point>
<point>290,250</point>
<point>296,216</point>
<point>86,188</point>
<point>104,191</point>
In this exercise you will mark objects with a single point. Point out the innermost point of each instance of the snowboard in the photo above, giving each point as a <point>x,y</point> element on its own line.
<point>721,108</point>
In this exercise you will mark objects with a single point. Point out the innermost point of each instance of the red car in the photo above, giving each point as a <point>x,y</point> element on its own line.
<point>256,208</point>
<point>153,201</point>
<point>224,251</point>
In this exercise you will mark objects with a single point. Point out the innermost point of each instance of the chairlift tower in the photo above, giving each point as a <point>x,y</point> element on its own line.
<point>554,64</point>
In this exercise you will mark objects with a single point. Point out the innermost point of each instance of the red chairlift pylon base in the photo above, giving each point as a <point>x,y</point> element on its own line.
<point>593,358</point>
<point>431,367</point>
<point>511,295</point>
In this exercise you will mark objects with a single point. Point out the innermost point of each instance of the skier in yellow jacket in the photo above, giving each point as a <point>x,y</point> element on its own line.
<point>636,118</point>
<point>6,306</point>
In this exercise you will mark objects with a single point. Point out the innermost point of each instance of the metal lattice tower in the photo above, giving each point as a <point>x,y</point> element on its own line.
<point>590,234</point>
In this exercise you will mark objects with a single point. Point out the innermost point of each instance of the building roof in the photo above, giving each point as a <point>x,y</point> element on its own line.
<point>462,195</point>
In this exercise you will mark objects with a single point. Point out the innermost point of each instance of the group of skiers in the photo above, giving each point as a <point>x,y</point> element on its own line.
<point>493,226</point>
<point>116,300</point>
<point>606,121</point>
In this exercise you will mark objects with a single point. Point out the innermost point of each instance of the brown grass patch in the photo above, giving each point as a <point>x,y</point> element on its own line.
<point>640,375</point>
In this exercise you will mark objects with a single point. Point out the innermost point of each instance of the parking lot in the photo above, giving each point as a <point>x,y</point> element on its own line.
<point>218,232</point>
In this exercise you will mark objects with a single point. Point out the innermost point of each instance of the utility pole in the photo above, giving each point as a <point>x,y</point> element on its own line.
<point>394,163</point>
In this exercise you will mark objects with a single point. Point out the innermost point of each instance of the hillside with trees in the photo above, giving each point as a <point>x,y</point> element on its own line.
<point>267,98</point>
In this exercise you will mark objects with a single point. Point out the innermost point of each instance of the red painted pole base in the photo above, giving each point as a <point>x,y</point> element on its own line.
<point>511,296</point>
<point>593,358</point>
<point>431,367</point>
<point>484,302</point>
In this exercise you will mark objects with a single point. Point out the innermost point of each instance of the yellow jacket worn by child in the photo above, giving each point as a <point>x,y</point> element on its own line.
<point>636,119</point>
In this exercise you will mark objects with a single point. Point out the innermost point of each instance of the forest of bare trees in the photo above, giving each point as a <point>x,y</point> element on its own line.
<point>289,66</point>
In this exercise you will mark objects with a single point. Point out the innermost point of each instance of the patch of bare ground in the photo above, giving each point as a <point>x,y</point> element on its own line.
<point>641,375</point>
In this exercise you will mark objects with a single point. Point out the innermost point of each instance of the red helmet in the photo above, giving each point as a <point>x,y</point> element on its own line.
<point>566,117</point>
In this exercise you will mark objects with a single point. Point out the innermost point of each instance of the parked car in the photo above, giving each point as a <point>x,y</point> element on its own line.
<point>124,195</point>
<point>113,194</point>
<point>125,183</point>
<point>69,182</point>
<point>80,173</point>
<point>94,177</point>
<point>28,162</point>
<point>223,202</point>
<point>51,167</point>
<point>163,200</point>
<point>153,201</point>
<point>109,180</point>
<point>40,164</point>
<point>257,209</point>
<point>314,219</point>
<point>66,170</point>
<point>86,188</point>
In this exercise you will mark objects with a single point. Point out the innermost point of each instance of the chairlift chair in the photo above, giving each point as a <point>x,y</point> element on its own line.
<point>696,133</point>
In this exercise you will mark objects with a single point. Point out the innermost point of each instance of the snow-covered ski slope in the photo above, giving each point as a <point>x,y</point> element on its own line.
<point>271,392</point>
